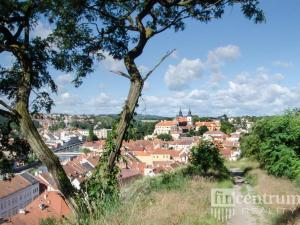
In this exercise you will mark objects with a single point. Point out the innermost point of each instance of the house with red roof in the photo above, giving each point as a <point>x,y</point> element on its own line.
<point>47,205</point>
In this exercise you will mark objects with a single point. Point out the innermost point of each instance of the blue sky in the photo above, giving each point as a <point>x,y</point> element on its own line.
<point>230,66</point>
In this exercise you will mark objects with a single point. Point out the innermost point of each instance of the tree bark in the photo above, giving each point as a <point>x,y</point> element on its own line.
<point>136,87</point>
<point>44,154</point>
<point>38,146</point>
<point>127,113</point>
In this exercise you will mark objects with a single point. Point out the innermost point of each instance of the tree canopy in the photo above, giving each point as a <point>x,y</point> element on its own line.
<point>82,32</point>
<point>274,142</point>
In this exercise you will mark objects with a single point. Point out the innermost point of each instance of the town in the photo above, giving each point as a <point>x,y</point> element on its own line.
<point>26,195</point>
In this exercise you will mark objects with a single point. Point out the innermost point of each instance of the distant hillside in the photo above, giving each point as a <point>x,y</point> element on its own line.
<point>140,117</point>
<point>150,117</point>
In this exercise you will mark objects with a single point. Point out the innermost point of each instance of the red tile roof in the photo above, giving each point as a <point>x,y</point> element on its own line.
<point>55,206</point>
<point>13,185</point>
<point>166,123</point>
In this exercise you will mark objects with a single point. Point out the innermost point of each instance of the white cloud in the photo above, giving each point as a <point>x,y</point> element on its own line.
<point>255,94</point>
<point>103,101</point>
<point>217,57</point>
<point>279,76</point>
<point>283,64</point>
<point>42,30</point>
<point>198,94</point>
<point>178,77</point>
<point>112,64</point>
<point>66,99</point>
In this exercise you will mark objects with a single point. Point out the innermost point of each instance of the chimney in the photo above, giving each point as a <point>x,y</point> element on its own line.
<point>22,211</point>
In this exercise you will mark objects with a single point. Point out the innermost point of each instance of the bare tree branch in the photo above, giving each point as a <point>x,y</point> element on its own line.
<point>121,74</point>
<point>158,64</point>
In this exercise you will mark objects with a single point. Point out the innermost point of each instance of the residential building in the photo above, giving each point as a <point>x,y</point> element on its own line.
<point>215,135</point>
<point>16,193</point>
<point>165,127</point>
<point>214,125</point>
<point>47,205</point>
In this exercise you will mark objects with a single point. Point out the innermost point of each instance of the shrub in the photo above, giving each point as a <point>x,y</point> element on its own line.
<point>274,142</point>
<point>205,157</point>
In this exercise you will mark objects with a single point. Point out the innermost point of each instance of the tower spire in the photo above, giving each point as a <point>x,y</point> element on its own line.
<point>180,112</point>
<point>190,112</point>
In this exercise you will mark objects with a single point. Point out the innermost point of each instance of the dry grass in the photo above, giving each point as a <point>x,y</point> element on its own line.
<point>187,206</point>
<point>270,185</point>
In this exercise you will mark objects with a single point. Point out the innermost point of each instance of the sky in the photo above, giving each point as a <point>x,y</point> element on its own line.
<point>228,66</point>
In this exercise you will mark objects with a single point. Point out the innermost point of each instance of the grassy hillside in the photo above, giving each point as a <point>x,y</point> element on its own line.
<point>167,199</point>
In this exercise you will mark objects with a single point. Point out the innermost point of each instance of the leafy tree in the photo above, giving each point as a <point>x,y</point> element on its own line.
<point>202,130</point>
<point>138,130</point>
<point>92,136</point>
<point>81,125</point>
<point>274,142</point>
<point>191,133</point>
<point>206,156</point>
<point>57,126</point>
<point>124,28</point>
<point>25,81</point>
<point>227,127</point>
<point>165,137</point>
<point>83,31</point>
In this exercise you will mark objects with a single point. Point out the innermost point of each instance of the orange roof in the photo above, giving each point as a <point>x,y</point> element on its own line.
<point>166,123</point>
<point>207,123</point>
<point>182,119</point>
<point>94,144</point>
<point>141,153</point>
<point>55,206</point>
<point>13,185</point>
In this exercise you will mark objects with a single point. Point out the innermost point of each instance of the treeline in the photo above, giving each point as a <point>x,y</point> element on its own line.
<point>275,143</point>
<point>138,130</point>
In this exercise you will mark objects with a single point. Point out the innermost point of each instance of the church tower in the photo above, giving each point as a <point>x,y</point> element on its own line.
<point>180,113</point>
<point>189,117</point>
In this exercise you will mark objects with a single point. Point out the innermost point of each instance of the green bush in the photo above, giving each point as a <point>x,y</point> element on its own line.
<point>206,156</point>
<point>274,143</point>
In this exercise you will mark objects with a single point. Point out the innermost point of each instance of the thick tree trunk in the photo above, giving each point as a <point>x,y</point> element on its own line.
<point>127,113</point>
<point>38,146</point>
<point>45,155</point>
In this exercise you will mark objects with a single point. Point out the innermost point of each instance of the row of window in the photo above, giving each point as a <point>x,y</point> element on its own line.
<point>13,201</point>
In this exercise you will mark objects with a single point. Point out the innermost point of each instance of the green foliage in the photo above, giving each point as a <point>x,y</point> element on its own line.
<point>11,151</point>
<point>85,150</point>
<point>165,137</point>
<point>92,136</point>
<point>274,142</point>
<point>227,127</point>
<point>101,189</point>
<point>206,156</point>
<point>202,130</point>
<point>57,126</point>
<point>49,221</point>
<point>138,130</point>
<point>81,125</point>
<point>251,179</point>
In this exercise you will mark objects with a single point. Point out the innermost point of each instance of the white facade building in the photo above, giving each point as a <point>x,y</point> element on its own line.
<point>165,127</point>
<point>16,193</point>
